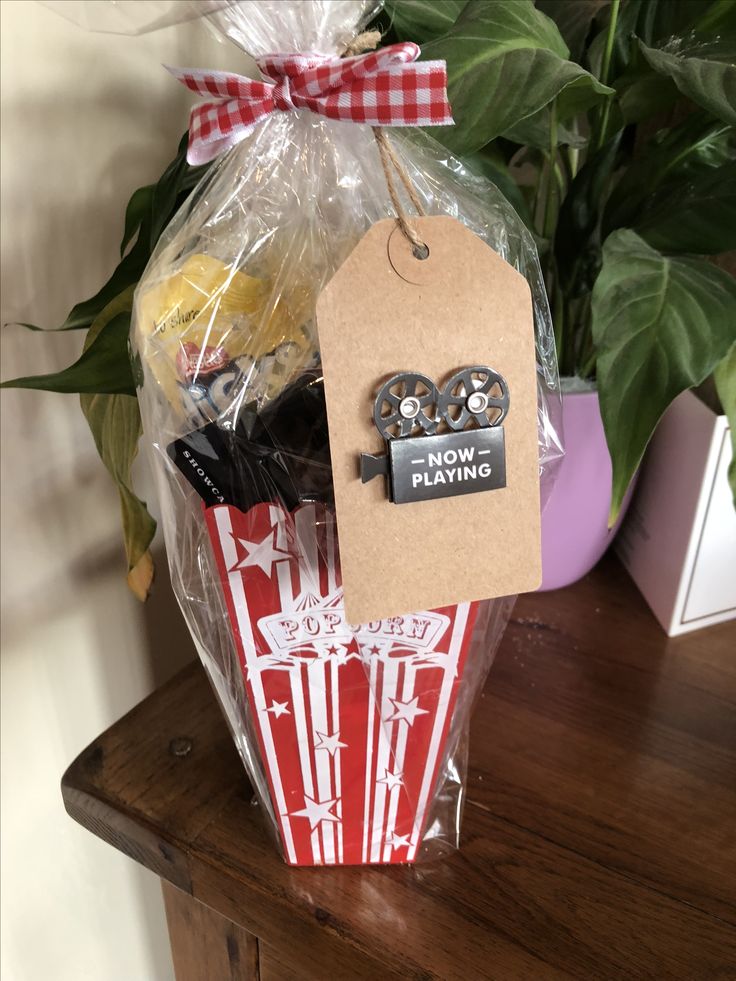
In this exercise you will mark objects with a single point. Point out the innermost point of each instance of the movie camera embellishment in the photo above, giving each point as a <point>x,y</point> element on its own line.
<point>440,444</point>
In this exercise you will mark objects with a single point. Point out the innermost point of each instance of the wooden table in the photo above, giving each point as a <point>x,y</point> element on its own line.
<point>598,838</point>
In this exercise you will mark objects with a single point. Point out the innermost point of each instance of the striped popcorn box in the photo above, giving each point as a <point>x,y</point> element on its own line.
<point>351,719</point>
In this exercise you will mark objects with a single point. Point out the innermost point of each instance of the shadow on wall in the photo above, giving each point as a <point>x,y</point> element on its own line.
<point>165,637</point>
<point>170,646</point>
<point>86,119</point>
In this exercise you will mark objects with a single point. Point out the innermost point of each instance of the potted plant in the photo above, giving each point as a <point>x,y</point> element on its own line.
<point>609,126</point>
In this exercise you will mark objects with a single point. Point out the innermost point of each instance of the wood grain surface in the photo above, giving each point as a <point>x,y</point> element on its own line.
<point>205,944</point>
<point>598,834</point>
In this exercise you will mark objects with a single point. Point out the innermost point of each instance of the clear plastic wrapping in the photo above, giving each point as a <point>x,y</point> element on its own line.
<point>353,736</point>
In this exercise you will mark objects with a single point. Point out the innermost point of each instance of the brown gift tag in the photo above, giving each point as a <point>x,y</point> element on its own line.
<point>386,312</point>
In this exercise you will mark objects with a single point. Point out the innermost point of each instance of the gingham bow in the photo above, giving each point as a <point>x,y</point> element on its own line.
<point>381,88</point>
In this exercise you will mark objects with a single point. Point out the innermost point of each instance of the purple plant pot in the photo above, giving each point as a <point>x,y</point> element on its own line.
<point>575,531</point>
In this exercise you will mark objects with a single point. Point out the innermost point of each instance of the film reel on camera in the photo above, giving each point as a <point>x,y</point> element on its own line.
<point>406,405</point>
<point>475,394</point>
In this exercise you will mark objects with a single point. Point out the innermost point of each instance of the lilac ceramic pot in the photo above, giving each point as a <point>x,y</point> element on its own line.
<point>575,531</point>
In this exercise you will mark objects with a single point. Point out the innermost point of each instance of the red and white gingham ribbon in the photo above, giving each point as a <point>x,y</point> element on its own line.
<point>382,88</point>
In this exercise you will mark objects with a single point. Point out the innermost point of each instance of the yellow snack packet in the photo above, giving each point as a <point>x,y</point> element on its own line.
<point>208,325</point>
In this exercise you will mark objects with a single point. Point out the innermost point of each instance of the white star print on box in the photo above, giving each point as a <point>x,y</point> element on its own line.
<point>262,554</point>
<point>316,812</point>
<point>330,743</point>
<point>347,786</point>
<point>405,711</point>
<point>391,779</point>
<point>279,709</point>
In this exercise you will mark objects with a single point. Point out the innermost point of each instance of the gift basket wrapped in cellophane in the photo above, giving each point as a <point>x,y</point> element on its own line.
<point>353,735</point>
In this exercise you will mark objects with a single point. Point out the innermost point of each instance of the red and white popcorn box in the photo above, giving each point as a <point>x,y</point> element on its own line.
<point>351,720</point>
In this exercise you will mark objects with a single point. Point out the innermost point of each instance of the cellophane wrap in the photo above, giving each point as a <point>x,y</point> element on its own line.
<point>354,737</point>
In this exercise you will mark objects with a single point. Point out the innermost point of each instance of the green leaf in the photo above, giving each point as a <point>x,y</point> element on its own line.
<point>104,366</point>
<point>715,19</point>
<point>679,193</point>
<point>121,304</point>
<point>577,239</point>
<point>115,423</point>
<point>641,95</point>
<point>505,62</point>
<point>422,20</point>
<point>697,216</point>
<point>702,30</point>
<point>630,20</point>
<point>658,21</point>
<point>497,172</point>
<point>535,131</point>
<point>167,191</point>
<point>725,378</point>
<point>660,326</point>
<point>673,18</point>
<point>172,189</point>
<point>709,83</point>
<point>696,144</point>
<point>138,207</point>
<point>116,426</point>
<point>33,327</point>
<point>574,19</point>
<point>641,92</point>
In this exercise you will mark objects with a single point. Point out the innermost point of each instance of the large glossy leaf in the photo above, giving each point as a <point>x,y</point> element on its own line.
<point>642,94</point>
<point>505,62</point>
<point>115,423</point>
<point>699,216</point>
<point>697,143</point>
<point>694,28</point>
<point>660,326</point>
<point>421,20</point>
<point>679,193</point>
<point>574,19</point>
<point>725,378</point>
<point>138,209</point>
<point>104,366</point>
<point>706,79</point>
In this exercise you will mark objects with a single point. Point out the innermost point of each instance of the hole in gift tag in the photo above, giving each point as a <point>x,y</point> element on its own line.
<point>416,264</point>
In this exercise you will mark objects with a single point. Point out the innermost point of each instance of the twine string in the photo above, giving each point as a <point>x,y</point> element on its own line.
<point>367,41</point>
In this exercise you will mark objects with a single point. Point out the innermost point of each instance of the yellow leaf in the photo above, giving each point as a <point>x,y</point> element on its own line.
<point>140,577</point>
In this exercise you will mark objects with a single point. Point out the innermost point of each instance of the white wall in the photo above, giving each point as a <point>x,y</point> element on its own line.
<point>86,118</point>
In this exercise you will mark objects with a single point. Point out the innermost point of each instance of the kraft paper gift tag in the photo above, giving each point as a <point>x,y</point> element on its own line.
<point>436,472</point>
